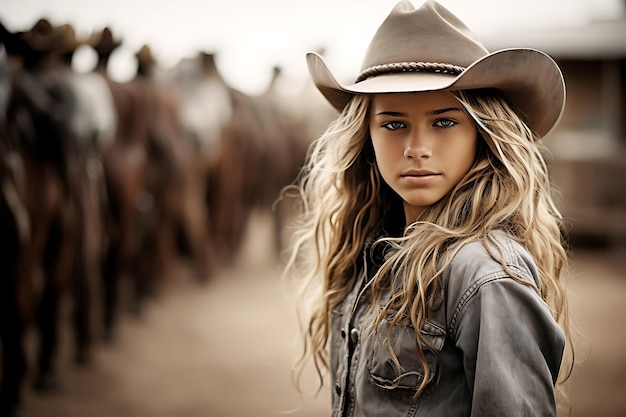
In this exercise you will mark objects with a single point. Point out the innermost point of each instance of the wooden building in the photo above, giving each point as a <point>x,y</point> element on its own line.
<point>587,150</point>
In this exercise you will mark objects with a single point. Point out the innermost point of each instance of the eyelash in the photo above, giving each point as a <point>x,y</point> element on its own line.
<point>442,123</point>
<point>388,125</point>
<point>448,123</point>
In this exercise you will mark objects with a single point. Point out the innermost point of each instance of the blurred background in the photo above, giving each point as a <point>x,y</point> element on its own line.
<point>144,146</point>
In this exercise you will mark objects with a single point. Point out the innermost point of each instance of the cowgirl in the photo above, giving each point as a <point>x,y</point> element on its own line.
<point>429,237</point>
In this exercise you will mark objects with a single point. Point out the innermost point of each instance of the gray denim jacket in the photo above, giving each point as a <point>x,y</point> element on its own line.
<point>500,349</point>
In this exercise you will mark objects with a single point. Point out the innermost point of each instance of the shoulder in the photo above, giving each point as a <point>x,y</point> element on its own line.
<point>495,260</point>
<point>495,256</point>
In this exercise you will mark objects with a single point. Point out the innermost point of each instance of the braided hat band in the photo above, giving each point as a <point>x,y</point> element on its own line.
<point>397,67</point>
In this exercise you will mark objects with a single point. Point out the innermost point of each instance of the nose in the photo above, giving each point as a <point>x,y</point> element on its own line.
<point>418,146</point>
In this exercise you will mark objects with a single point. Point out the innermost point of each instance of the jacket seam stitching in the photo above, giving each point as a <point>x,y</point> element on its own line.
<point>473,289</point>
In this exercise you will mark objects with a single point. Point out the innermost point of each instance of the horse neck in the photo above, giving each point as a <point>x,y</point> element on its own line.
<point>49,63</point>
<point>102,64</point>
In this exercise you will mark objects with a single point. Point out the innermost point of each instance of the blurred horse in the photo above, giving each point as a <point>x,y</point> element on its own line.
<point>173,181</point>
<point>92,122</point>
<point>124,162</point>
<point>15,285</point>
<point>40,207</point>
<point>205,108</point>
<point>303,114</point>
<point>248,152</point>
<point>154,193</point>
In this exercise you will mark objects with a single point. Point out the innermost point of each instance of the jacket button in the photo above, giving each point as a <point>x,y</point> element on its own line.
<point>354,335</point>
<point>337,388</point>
<point>343,333</point>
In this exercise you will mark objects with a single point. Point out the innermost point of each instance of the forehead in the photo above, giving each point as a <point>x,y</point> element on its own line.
<point>420,100</point>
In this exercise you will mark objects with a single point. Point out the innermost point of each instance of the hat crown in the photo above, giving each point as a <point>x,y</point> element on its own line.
<point>44,37</point>
<point>430,33</point>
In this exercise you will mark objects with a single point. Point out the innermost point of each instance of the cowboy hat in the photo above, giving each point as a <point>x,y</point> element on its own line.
<point>43,37</point>
<point>103,42</point>
<point>430,49</point>
<point>145,59</point>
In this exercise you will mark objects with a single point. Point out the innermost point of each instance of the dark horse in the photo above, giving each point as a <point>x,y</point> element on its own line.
<point>50,205</point>
<point>124,163</point>
<point>247,149</point>
<point>38,209</point>
<point>173,180</point>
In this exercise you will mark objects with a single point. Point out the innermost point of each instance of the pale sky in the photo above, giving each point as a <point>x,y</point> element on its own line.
<point>251,36</point>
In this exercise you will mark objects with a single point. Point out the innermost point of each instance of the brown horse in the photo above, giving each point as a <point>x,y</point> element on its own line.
<point>92,123</point>
<point>124,162</point>
<point>303,115</point>
<point>248,155</point>
<point>38,208</point>
<point>153,191</point>
<point>173,180</point>
<point>15,284</point>
<point>203,107</point>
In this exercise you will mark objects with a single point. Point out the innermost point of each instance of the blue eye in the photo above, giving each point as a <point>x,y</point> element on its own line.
<point>445,123</point>
<point>393,125</point>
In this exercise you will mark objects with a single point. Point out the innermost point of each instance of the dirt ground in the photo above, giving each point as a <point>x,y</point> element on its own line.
<point>225,349</point>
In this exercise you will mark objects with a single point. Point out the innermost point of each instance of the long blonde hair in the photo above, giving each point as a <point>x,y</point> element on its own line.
<point>344,200</point>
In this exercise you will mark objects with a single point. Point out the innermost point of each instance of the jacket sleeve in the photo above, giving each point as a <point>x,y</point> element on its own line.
<point>511,347</point>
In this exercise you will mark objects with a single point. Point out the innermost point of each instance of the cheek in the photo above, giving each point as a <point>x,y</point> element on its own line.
<point>472,151</point>
<point>383,155</point>
<point>465,149</point>
<point>386,147</point>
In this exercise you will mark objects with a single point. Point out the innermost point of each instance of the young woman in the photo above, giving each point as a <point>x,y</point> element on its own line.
<point>429,240</point>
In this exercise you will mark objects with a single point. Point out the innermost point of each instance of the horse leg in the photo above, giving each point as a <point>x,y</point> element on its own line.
<point>14,364</point>
<point>57,268</point>
<point>148,259</point>
<point>81,315</point>
<point>194,223</point>
<point>121,222</point>
<point>13,324</point>
<point>16,296</point>
<point>86,264</point>
<point>110,288</point>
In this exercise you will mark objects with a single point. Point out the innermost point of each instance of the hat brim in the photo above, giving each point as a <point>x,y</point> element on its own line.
<point>529,78</point>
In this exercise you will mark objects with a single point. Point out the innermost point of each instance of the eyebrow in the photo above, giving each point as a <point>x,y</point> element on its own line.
<point>441,111</point>
<point>430,113</point>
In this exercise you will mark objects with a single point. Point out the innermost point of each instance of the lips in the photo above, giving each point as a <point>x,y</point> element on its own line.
<point>418,173</point>
<point>419,177</point>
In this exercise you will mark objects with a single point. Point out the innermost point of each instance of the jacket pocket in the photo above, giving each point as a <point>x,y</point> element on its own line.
<point>385,374</point>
